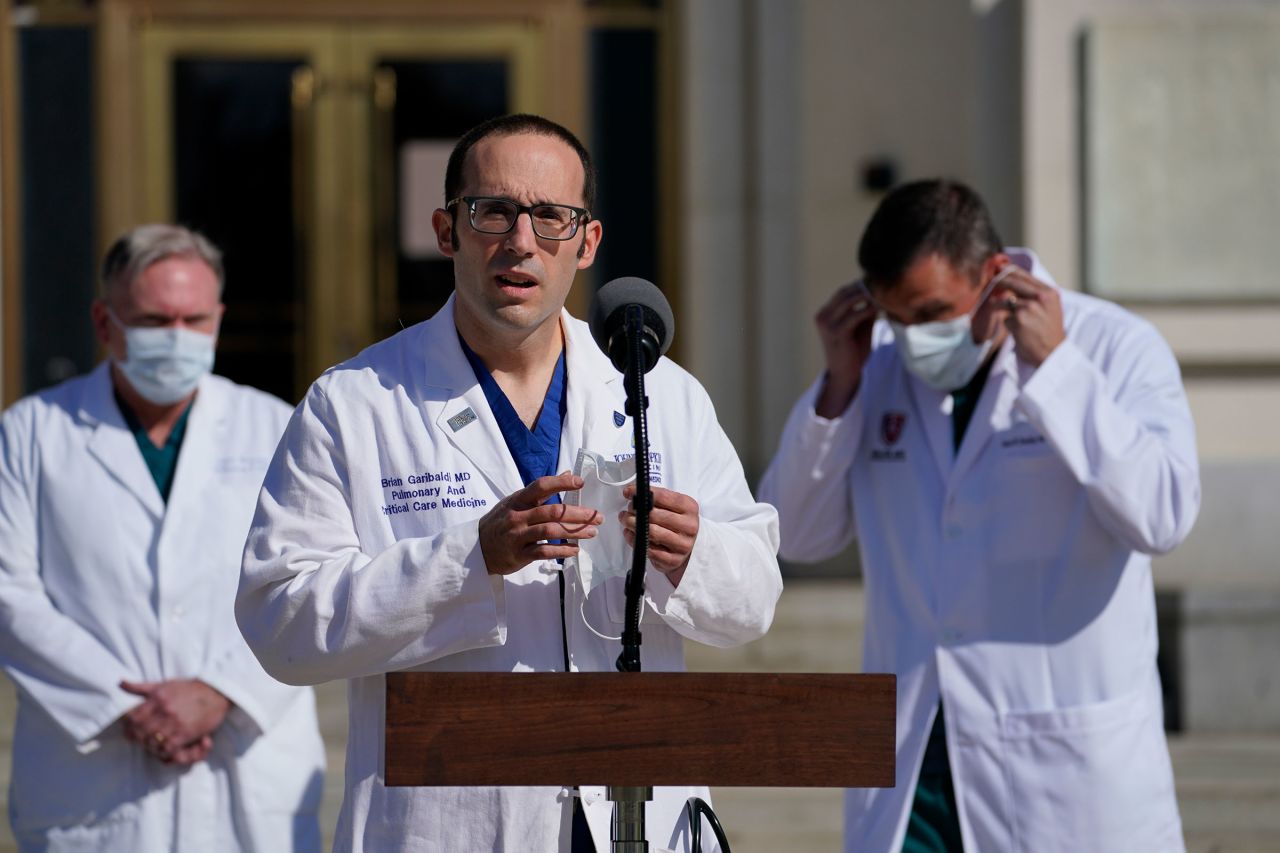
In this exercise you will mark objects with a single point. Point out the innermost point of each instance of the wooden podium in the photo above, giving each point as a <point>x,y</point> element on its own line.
<point>630,731</point>
<point>640,729</point>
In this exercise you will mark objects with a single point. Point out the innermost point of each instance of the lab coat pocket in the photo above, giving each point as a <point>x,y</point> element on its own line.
<point>1031,493</point>
<point>269,770</point>
<point>1029,465</point>
<point>1092,777</point>
<point>82,796</point>
<point>119,831</point>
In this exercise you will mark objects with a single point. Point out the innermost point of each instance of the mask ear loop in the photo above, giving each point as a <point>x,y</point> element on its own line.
<point>582,606</point>
<point>111,314</point>
<point>1005,272</point>
<point>582,611</point>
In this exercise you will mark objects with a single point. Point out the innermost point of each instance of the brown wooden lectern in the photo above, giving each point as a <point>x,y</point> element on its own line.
<point>633,730</point>
<point>640,728</point>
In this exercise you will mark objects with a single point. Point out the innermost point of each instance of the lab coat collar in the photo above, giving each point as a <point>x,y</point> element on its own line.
<point>933,408</point>
<point>992,414</point>
<point>204,442</point>
<point>995,411</point>
<point>461,413</point>
<point>112,442</point>
<point>1030,262</point>
<point>114,446</point>
<point>588,372</point>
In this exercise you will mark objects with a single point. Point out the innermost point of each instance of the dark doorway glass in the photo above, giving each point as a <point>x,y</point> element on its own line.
<point>625,130</point>
<point>57,224</point>
<point>233,181</point>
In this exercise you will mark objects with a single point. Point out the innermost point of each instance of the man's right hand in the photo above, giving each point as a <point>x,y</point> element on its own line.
<point>844,324</point>
<point>176,720</point>
<point>516,531</point>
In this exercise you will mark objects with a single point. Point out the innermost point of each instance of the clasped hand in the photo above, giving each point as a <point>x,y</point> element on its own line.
<point>176,719</point>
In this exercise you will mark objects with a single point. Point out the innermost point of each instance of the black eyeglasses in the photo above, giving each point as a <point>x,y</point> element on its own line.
<point>498,216</point>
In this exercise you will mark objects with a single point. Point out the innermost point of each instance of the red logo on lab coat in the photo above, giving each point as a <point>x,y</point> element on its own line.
<point>891,426</point>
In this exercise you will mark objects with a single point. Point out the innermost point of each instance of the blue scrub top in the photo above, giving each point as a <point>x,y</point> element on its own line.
<point>536,452</point>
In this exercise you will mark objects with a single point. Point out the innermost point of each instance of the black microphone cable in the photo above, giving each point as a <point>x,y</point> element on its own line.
<point>697,808</point>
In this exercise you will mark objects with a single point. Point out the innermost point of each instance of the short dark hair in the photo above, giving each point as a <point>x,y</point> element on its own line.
<point>514,125</point>
<point>931,217</point>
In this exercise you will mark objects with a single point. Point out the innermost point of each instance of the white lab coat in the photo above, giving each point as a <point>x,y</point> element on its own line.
<point>1012,579</point>
<point>338,584</point>
<point>101,581</point>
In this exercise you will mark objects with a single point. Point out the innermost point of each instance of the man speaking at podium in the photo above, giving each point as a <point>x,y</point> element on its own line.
<point>411,518</point>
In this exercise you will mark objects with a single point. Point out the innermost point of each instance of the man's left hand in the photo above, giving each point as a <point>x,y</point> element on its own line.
<point>1033,314</point>
<point>673,527</point>
<point>176,719</point>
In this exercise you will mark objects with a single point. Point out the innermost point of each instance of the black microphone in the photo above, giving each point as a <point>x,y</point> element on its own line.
<point>609,319</point>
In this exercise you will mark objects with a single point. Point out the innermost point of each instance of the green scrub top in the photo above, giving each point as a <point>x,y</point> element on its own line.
<point>162,462</point>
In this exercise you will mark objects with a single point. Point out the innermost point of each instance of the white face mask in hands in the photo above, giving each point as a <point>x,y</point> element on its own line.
<point>607,554</point>
<point>943,354</point>
<point>164,364</point>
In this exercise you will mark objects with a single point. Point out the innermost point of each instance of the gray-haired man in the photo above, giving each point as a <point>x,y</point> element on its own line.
<point>144,722</point>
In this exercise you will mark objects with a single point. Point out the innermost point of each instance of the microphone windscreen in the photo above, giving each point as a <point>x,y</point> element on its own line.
<point>607,316</point>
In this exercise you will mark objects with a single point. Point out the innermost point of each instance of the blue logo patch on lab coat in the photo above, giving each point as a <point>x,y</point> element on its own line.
<point>618,418</point>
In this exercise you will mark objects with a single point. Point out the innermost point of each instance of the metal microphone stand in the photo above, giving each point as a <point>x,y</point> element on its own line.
<point>627,832</point>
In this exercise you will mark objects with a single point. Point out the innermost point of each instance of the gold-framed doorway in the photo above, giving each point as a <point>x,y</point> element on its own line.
<point>342,97</point>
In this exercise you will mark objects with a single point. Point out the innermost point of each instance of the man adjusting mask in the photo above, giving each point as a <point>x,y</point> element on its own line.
<point>1008,459</point>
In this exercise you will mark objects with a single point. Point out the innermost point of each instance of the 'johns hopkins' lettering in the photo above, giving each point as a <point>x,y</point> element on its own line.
<point>655,464</point>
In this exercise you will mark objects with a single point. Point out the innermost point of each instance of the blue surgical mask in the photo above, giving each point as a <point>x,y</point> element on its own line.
<point>943,354</point>
<point>164,364</point>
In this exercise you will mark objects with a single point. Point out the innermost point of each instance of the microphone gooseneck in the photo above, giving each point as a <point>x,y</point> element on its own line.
<point>637,406</point>
<point>632,323</point>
